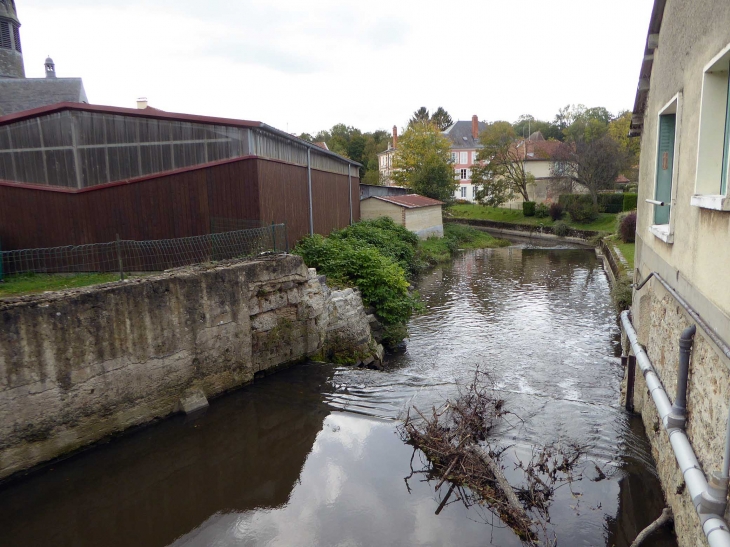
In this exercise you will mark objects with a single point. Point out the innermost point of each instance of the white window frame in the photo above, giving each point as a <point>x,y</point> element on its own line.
<point>455,157</point>
<point>710,148</point>
<point>473,191</point>
<point>463,192</point>
<point>464,158</point>
<point>474,156</point>
<point>464,174</point>
<point>665,232</point>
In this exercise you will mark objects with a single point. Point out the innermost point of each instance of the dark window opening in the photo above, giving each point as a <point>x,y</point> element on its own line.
<point>16,36</point>
<point>5,35</point>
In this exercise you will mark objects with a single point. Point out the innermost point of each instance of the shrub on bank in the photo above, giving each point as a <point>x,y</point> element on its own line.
<point>611,203</point>
<point>627,227</point>
<point>456,236</point>
<point>582,212</point>
<point>541,210</point>
<point>381,280</point>
<point>528,208</point>
<point>556,211</point>
<point>560,228</point>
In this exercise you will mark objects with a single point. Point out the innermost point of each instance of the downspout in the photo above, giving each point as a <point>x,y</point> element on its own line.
<point>309,187</point>
<point>678,417</point>
<point>349,188</point>
<point>709,500</point>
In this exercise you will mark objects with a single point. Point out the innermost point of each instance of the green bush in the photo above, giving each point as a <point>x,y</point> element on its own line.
<point>622,293</point>
<point>611,203</point>
<point>556,211</point>
<point>392,240</point>
<point>560,228</point>
<point>627,227</point>
<point>582,212</point>
<point>541,210</point>
<point>528,208</point>
<point>630,201</point>
<point>381,280</point>
<point>566,200</point>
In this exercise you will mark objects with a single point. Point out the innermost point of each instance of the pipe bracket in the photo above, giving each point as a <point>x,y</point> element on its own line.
<point>676,421</point>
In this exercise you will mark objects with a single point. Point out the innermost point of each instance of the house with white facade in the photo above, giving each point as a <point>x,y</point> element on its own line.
<point>385,160</point>
<point>679,325</point>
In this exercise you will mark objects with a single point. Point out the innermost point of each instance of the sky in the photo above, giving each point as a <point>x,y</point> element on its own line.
<point>305,66</point>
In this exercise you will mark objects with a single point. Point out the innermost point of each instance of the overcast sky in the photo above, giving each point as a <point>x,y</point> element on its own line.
<point>304,66</point>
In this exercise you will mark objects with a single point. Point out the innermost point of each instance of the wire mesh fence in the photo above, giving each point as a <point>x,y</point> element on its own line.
<point>126,256</point>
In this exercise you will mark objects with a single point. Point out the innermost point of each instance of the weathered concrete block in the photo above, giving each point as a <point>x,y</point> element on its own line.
<point>193,401</point>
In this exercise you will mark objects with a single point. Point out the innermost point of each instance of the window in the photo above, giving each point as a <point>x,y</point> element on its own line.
<point>16,37</point>
<point>464,158</point>
<point>665,177</point>
<point>473,191</point>
<point>463,191</point>
<point>464,175</point>
<point>454,157</point>
<point>5,35</point>
<point>713,154</point>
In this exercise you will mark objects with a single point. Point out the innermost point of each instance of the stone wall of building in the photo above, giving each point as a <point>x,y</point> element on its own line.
<point>659,321</point>
<point>79,365</point>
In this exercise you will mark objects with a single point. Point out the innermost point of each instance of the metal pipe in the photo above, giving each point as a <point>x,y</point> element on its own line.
<point>719,342</point>
<point>309,187</point>
<point>349,189</point>
<point>655,202</point>
<point>678,417</point>
<point>709,508</point>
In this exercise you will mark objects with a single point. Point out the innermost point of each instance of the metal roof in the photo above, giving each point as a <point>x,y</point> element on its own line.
<point>642,91</point>
<point>154,113</point>
<point>409,201</point>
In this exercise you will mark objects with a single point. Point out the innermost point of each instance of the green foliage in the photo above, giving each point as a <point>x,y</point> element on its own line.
<point>582,212</point>
<point>611,203</point>
<point>566,200</point>
<point>14,285</point>
<point>456,236</point>
<point>528,208</point>
<point>541,210</point>
<point>382,282</point>
<point>500,162</point>
<point>560,229</point>
<point>420,116</point>
<point>423,162</point>
<point>622,293</point>
<point>442,119</point>
<point>618,129</point>
<point>394,241</point>
<point>528,124</point>
<point>630,201</point>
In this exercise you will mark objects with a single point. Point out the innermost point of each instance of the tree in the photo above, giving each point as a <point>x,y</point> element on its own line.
<point>528,124</point>
<point>591,163</point>
<point>420,116</point>
<point>352,143</point>
<point>618,129</point>
<point>501,170</point>
<point>442,119</point>
<point>423,162</point>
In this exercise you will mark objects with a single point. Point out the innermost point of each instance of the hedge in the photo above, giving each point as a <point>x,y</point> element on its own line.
<point>528,208</point>
<point>611,203</point>
<point>630,201</point>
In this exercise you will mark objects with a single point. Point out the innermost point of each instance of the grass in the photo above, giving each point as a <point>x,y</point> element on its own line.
<point>605,222</point>
<point>16,285</point>
<point>627,249</point>
<point>456,236</point>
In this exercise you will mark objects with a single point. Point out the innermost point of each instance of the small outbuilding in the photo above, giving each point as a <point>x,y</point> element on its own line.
<point>419,214</point>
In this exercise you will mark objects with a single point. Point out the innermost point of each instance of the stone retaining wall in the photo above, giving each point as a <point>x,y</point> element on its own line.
<point>78,365</point>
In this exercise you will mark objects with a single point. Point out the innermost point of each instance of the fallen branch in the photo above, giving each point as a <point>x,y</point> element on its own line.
<point>663,519</point>
<point>504,485</point>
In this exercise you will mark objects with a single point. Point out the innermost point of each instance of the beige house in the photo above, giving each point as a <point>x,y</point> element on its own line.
<point>385,160</point>
<point>682,114</point>
<point>419,214</point>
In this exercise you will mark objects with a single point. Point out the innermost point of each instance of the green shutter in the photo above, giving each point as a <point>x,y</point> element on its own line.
<point>726,149</point>
<point>665,167</point>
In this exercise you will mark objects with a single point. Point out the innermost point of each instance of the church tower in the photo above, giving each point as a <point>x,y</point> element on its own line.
<point>11,54</point>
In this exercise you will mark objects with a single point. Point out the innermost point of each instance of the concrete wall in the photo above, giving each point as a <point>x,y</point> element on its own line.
<point>372,208</point>
<point>425,221</point>
<point>79,365</point>
<point>695,261</point>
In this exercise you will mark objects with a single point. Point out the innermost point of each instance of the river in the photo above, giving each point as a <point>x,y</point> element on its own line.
<point>311,455</point>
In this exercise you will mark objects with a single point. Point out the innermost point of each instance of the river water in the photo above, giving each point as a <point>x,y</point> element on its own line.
<point>312,456</point>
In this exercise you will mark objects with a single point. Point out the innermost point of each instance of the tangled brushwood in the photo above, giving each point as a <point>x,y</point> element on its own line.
<point>456,442</point>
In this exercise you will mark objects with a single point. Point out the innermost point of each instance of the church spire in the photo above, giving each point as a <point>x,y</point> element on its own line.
<point>11,54</point>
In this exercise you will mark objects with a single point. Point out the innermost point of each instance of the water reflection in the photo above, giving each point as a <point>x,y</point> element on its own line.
<point>310,456</point>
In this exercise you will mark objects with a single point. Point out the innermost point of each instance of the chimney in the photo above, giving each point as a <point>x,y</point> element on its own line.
<point>395,137</point>
<point>475,127</point>
<point>142,103</point>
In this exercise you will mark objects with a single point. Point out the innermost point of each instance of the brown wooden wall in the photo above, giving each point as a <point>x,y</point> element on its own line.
<point>178,205</point>
<point>284,198</point>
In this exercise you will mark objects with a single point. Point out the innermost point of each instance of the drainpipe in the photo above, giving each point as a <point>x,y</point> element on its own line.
<point>309,187</point>
<point>349,188</point>
<point>709,500</point>
<point>678,417</point>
